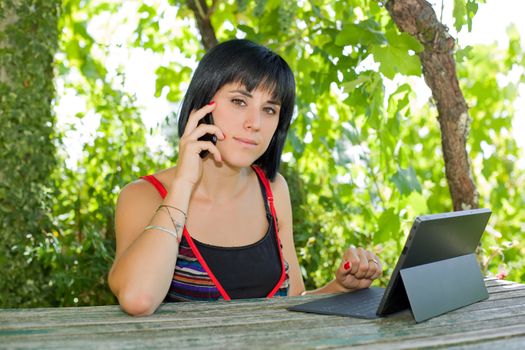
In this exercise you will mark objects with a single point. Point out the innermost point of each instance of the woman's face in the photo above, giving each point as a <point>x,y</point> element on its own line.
<point>248,120</point>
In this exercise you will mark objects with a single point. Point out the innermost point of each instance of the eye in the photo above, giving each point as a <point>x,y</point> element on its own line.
<point>270,110</point>
<point>238,102</point>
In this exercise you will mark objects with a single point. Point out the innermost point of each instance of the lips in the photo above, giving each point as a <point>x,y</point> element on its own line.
<point>246,141</point>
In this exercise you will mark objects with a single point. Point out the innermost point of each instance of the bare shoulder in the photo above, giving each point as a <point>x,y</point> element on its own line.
<point>138,192</point>
<point>280,187</point>
<point>281,195</point>
<point>136,206</point>
<point>141,190</point>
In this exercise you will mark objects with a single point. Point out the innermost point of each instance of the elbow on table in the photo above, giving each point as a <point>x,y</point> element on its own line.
<point>133,301</point>
<point>137,303</point>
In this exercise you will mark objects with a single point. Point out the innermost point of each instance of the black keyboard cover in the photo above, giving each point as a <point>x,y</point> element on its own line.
<point>362,304</point>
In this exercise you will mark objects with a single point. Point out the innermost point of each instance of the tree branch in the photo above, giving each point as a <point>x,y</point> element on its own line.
<point>417,18</point>
<point>202,18</point>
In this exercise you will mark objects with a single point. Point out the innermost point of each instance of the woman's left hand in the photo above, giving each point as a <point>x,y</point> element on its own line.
<point>358,269</point>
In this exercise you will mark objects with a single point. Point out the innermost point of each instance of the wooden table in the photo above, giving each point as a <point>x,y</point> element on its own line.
<point>496,322</point>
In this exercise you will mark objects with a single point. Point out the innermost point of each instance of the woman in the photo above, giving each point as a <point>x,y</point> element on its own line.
<point>219,224</point>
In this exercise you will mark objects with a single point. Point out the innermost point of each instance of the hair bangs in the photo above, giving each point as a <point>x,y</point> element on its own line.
<point>268,73</point>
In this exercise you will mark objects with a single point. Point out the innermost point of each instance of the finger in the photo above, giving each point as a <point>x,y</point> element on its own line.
<point>379,270</point>
<point>346,265</point>
<point>363,267</point>
<point>352,258</point>
<point>344,277</point>
<point>364,283</point>
<point>196,115</point>
<point>210,147</point>
<point>373,267</point>
<point>376,275</point>
<point>373,264</point>
<point>204,129</point>
<point>343,272</point>
<point>350,282</point>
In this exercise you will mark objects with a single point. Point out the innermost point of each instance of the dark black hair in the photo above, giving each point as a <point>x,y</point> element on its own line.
<point>253,66</point>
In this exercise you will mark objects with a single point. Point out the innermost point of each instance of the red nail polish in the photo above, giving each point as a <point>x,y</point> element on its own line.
<point>212,102</point>
<point>347,265</point>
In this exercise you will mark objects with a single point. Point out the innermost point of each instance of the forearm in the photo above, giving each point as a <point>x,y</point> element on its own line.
<point>144,271</point>
<point>142,274</point>
<point>330,288</point>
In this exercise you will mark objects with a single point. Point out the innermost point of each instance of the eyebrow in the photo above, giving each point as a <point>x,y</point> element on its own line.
<point>247,94</point>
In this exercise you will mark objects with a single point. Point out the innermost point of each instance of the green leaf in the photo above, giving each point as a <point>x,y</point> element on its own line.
<point>416,205</point>
<point>403,41</point>
<point>352,134</point>
<point>89,68</point>
<point>515,49</point>
<point>463,53</point>
<point>388,224</point>
<point>365,33</point>
<point>472,9</point>
<point>406,181</point>
<point>349,86</point>
<point>251,34</point>
<point>460,14</point>
<point>394,60</point>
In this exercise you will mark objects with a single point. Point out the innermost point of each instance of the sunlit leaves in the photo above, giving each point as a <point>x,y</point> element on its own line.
<point>493,148</point>
<point>398,56</point>
<point>365,33</point>
<point>388,226</point>
<point>171,79</point>
<point>515,49</point>
<point>464,11</point>
<point>406,181</point>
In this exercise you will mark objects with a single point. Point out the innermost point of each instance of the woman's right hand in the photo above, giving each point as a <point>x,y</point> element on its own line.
<point>189,165</point>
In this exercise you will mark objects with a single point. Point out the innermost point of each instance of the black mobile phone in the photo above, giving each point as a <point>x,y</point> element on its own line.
<point>207,119</point>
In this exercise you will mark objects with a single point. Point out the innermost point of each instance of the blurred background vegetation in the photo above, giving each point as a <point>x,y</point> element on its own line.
<point>362,159</point>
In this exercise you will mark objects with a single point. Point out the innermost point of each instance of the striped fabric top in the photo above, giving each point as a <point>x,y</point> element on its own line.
<point>190,280</point>
<point>193,280</point>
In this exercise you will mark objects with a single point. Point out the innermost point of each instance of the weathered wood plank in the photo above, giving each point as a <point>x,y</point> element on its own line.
<point>514,343</point>
<point>263,324</point>
<point>307,334</point>
<point>256,315</point>
<point>110,314</point>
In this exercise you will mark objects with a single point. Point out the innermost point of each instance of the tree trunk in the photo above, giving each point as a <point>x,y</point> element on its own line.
<point>203,19</point>
<point>417,18</point>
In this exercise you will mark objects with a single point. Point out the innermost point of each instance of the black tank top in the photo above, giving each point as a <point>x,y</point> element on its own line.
<point>250,271</point>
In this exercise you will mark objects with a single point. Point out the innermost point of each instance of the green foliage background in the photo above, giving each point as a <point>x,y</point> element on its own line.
<point>29,41</point>
<point>363,155</point>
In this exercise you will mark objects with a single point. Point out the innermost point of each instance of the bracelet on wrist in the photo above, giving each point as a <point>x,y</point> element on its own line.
<point>163,229</point>
<point>172,207</point>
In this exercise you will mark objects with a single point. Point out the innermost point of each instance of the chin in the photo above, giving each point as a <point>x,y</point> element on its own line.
<point>237,164</point>
<point>239,160</point>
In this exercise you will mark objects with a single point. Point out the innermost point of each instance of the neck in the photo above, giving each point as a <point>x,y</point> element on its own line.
<point>220,183</point>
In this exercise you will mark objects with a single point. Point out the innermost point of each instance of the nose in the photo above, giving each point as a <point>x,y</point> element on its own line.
<point>253,120</point>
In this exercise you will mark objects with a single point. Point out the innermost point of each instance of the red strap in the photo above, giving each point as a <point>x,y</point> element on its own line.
<point>269,195</point>
<point>266,183</point>
<point>205,265</point>
<point>158,185</point>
